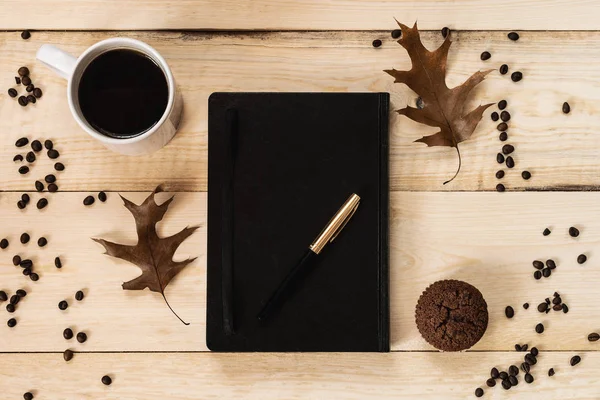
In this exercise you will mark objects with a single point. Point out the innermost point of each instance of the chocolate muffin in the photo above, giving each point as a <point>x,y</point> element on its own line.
<point>451,315</point>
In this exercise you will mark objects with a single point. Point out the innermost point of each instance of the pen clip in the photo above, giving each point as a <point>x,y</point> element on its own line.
<point>343,224</point>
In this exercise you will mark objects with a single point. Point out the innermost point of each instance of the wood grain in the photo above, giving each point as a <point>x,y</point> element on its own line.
<point>561,151</point>
<point>297,14</point>
<point>429,376</point>
<point>487,239</point>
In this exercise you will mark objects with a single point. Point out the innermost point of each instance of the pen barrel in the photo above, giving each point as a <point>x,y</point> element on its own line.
<point>288,285</point>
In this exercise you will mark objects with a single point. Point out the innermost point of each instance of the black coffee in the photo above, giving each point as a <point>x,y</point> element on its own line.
<point>123,93</point>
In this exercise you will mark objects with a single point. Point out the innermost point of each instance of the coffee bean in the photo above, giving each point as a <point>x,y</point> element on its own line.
<point>478,392</point>
<point>23,71</point>
<point>513,36</point>
<point>22,101</point>
<point>22,142</point>
<point>18,158</point>
<point>557,307</point>
<point>39,186</point>
<point>42,241</point>
<point>526,175</point>
<point>513,370</point>
<point>26,81</point>
<point>37,92</point>
<point>593,337</point>
<point>52,188</point>
<point>42,203</point>
<point>556,294</point>
<point>68,355</point>
<point>500,188</point>
<point>566,108</point>
<point>502,104</point>
<point>63,305</point>
<point>21,293</point>
<point>574,232</point>
<point>3,296</point>
<point>530,359</point>
<point>495,117</point>
<point>490,382</point>
<point>12,92</point>
<point>57,263</point>
<point>27,271</point>
<point>518,347</point>
<point>25,238</point>
<point>31,98</point>
<point>582,258</point>
<point>50,178</point>
<point>509,312</point>
<point>537,264</point>
<point>106,380</point>
<point>25,198</point>
<point>503,69</point>
<point>34,277</point>
<point>396,33</point>
<point>500,158</point>
<point>526,306</point>
<point>510,162</point>
<point>575,360</point>
<point>68,334</point>
<point>507,149</point>
<point>376,43</point>
<point>546,272</point>
<point>102,196</point>
<point>503,136</point>
<point>48,144</point>
<point>27,263</point>
<point>36,146</point>
<point>4,244</point>
<point>81,337</point>
<point>539,328</point>
<point>24,170</point>
<point>79,295</point>
<point>29,89</point>
<point>534,351</point>
<point>88,201</point>
<point>53,154</point>
<point>14,299</point>
<point>25,35</point>
<point>485,56</point>
<point>513,380</point>
<point>445,32</point>
<point>500,174</point>
<point>551,372</point>
<point>16,260</point>
<point>542,307</point>
<point>550,264</point>
<point>30,157</point>
<point>547,300</point>
<point>505,116</point>
<point>11,323</point>
<point>556,299</point>
<point>18,80</point>
<point>494,373</point>
<point>21,204</point>
<point>28,396</point>
<point>506,384</point>
<point>10,308</point>
<point>525,367</point>
<point>528,378</point>
<point>516,76</point>
<point>502,126</point>
<point>503,375</point>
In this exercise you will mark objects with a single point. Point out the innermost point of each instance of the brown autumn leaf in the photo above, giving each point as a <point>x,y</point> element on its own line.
<point>152,254</point>
<point>443,107</point>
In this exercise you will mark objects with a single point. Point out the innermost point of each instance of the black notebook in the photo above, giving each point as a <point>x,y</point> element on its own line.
<point>279,167</point>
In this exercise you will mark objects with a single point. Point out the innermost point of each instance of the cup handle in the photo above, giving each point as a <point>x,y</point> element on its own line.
<point>60,62</point>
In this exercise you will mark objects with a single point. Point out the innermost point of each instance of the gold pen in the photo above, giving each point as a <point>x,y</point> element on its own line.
<point>327,235</point>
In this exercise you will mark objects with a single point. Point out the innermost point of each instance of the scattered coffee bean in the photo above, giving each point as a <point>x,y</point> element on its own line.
<point>14,299</point>
<point>34,277</point>
<point>396,33</point>
<point>557,307</point>
<point>507,149</point>
<point>506,384</point>
<point>534,351</point>
<point>4,244</point>
<point>22,142</point>
<point>102,196</point>
<point>42,203</point>
<point>542,307</point>
<point>52,188</point>
<point>500,158</point>
<point>537,275</point>
<point>39,186</point>
<point>31,98</point>
<point>16,260</point>
<point>513,36</point>
<point>48,144</point>
<point>25,238</point>
<point>513,370</point>
<point>490,382</point>
<point>526,305</point>
<point>3,296</point>
<point>503,70</point>
<point>530,359</point>
<point>12,92</point>
<point>68,355</point>
<point>539,328</point>
<point>502,104</point>
<point>30,157</point>
<point>510,162</point>
<point>574,232</point>
<point>445,32</point>
<point>18,80</point>
<point>513,380</point>
<point>10,308</point>
<point>23,101</point>
<point>516,76</point>
<point>37,92</point>
<point>525,347</point>
<point>376,43</point>
<point>478,392</point>
<point>525,367</point>
<point>500,188</point>
<point>551,372</point>
<point>582,258</point>
<point>63,305</point>
<point>11,323</point>
<point>79,295</point>
<point>500,174</point>
<point>509,312</point>
<point>81,337</point>
<point>50,178</point>
<point>566,108</point>
<point>53,154</point>
<point>57,263</point>
<point>495,117</point>
<point>59,166</point>
<point>503,375</point>
<point>27,271</point>
<point>27,263</point>
<point>593,337</point>
<point>575,360</point>
<point>18,158</point>
<point>548,300</point>
<point>23,71</point>
<point>485,56</point>
<point>528,378</point>
<point>537,264</point>
<point>24,170</point>
<point>28,396</point>
<point>503,136</point>
<point>518,347</point>
<point>526,175</point>
<point>68,333</point>
<point>26,81</point>
<point>21,204</point>
<point>21,293</point>
<point>88,201</point>
<point>25,35</point>
<point>502,126</point>
<point>29,89</point>
<point>494,373</point>
<point>106,380</point>
<point>505,116</point>
<point>546,272</point>
<point>550,264</point>
<point>42,241</point>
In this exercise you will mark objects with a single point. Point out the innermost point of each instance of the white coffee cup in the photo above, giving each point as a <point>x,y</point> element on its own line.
<point>72,69</point>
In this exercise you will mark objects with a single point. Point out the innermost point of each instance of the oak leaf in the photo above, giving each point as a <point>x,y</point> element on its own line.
<point>152,254</point>
<point>443,107</point>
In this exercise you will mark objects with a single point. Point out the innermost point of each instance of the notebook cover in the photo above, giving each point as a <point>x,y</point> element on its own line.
<point>279,167</point>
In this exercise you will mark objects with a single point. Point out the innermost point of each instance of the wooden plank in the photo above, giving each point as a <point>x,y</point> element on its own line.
<point>487,239</point>
<point>293,376</point>
<point>302,15</point>
<point>560,150</point>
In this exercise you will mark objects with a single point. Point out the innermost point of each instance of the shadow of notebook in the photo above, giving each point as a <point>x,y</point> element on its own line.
<point>279,166</point>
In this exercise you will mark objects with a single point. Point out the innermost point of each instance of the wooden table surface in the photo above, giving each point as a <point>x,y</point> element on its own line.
<point>463,230</point>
